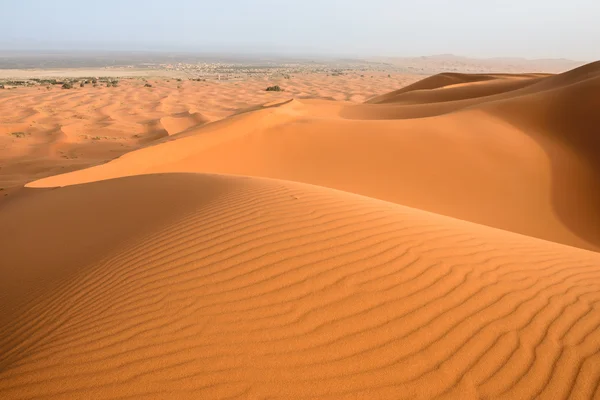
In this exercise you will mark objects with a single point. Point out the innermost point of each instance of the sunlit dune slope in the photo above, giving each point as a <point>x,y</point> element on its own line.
<point>46,130</point>
<point>198,286</point>
<point>521,160</point>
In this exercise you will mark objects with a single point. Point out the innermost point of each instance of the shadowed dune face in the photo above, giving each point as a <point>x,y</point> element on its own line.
<point>314,249</point>
<point>565,122</point>
<point>253,288</point>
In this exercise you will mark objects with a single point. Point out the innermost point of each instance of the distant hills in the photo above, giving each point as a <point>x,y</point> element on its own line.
<point>452,63</point>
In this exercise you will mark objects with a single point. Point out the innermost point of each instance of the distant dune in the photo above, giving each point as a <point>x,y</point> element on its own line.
<point>46,130</point>
<point>437,241</point>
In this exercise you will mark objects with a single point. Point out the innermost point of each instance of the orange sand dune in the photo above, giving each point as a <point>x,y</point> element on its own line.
<point>497,162</point>
<point>440,241</point>
<point>229,287</point>
<point>445,80</point>
<point>67,130</point>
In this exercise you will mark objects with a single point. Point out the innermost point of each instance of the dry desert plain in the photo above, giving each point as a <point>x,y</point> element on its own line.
<point>436,241</point>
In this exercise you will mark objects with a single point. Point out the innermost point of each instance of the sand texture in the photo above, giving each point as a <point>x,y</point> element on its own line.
<point>48,130</point>
<point>438,241</point>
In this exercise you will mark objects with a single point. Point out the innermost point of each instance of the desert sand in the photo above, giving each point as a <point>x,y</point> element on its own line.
<point>436,241</point>
<point>47,130</point>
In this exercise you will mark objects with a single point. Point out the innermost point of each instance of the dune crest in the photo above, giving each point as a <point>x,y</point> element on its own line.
<point>46,131</point>
<point>484,155</point>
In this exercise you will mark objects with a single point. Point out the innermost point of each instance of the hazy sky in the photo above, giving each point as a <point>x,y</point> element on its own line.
<point>481,28</point>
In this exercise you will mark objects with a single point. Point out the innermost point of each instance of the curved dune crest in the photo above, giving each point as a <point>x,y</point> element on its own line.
<point>182,122</point>
<point>66,130</point>
<point>515,160</point>
<point>253,288</point>
<point>451,80</point>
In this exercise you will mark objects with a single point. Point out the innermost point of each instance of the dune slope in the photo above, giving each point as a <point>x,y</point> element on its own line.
<point>253,288</point>
<point>453,80</point>
<point>521,160</point>
<point>440,242</point>
<point>46,131</point>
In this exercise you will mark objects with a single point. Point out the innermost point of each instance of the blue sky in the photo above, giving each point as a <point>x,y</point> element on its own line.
<point>483,28</point>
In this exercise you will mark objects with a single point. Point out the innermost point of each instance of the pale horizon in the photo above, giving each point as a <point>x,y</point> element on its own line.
<point>537,30</point>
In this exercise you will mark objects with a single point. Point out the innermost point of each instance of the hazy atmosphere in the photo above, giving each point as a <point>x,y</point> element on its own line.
<point>532,28</point>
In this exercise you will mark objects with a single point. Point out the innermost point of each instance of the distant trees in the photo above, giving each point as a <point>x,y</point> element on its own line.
<point>67,85</point>
<point>275,88</point>
<point>147,85</point>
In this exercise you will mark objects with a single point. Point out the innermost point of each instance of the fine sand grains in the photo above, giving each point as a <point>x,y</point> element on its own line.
<point>252,288</point>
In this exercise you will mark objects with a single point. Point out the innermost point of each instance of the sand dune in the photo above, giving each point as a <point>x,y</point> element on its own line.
<point>440,241</point>
<point>495,160</point>
<point>249,288</point>
<point>456,91</point>
<point>445,80</point>
<point>67,130</point>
